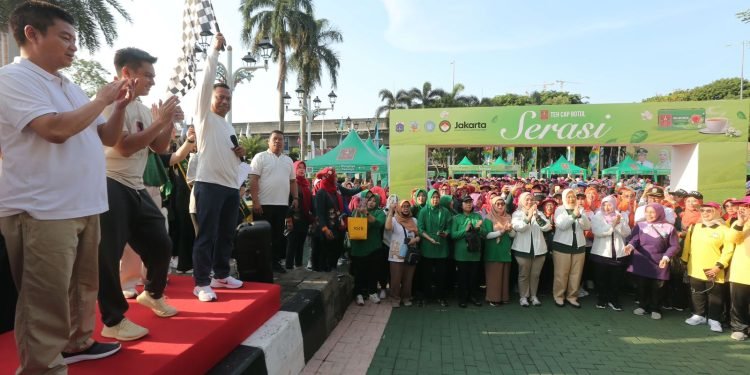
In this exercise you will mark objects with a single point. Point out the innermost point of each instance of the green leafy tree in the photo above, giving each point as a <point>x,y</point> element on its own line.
<point>455,99</point>
<point>92,18</point>
<point>744,16</point>
<point>253,145</point>
<point>392,101</point>
<point>286,23</point>
<point>88,74</point>
<point>721,89</point>
<point>427,97</point>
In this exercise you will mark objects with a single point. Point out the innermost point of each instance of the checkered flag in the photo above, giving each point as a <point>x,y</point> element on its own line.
<point>197,16</point>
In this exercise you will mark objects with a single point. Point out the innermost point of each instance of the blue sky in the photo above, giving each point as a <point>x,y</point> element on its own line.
<point>608,51</point>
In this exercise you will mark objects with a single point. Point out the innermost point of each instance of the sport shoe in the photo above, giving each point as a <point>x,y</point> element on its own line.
<point>158,306</point>
<point>374,298</point>
<point>95,351</point>
<point>535,301</point>
<point>407,303</point>
<point>695,320</point>
<point>524,302</point>
<point>739,336</point>
<point>715,325</point>
<point>125,331</point>
<point>204,293</point>
<point>227,282</point>
<point>600,305</point>
<point>655,315</point>
<point>382,294</point>
<point>639,311</point>
<point>582,293</point>
<point>615,306</point>
<point>360,300</point>
<point>130,293</point>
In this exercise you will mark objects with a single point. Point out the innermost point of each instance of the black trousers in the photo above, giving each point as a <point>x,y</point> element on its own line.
<point>467,280</point>
<point>8,290</point>
<point>740,315</point>
<point>132,218</point>
<point>364,271</point>
<point>325,253</point>
<point>295,243</point>
<point>650,293</point>
<point>709,304</point>
<point>217,207</point>
<point>383,273</point>
<point>608,280</point>
<point>433,275</point>
<point>276,216</point>
<point>677,292</point>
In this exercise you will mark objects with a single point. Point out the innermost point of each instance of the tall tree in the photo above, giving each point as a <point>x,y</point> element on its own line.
<point>91,16</point>
<point>311,57</point>
<point>89,74</point>
<point>392,101</point>
<point>427,97</point>
<point>721,89</point>
<point>284,22</point>
<point>455,99</point>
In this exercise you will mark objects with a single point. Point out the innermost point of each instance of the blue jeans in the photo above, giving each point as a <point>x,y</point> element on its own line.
<point>217,207</point>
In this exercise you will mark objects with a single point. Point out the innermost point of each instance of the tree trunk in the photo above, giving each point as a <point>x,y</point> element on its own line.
<point>302,128</point>
<point>281,84</point>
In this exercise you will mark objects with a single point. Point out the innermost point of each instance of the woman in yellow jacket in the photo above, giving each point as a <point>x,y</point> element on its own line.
<point>708,251</point>
<point>739,278</point>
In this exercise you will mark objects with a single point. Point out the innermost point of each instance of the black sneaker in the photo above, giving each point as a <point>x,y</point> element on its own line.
<point>96,351</point>
<point>601,305</point>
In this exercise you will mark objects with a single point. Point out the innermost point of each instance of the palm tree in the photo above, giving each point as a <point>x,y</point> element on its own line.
<point>311,57</point>
<point>427,97</point>
<point>284,22</point>
<point>455,99</point>
<point>91,16</point>
<point>400,100</point>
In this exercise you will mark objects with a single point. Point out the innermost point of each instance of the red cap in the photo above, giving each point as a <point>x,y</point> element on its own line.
<point>712,205</point>
<point>742,202</point>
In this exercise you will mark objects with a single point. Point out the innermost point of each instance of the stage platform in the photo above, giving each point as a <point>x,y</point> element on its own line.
<point>192,342</point>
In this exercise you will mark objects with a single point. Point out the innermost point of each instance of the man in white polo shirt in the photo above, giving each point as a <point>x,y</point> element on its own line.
<point>53,189</point>
<point>216,192</point>
<point>271,180</point>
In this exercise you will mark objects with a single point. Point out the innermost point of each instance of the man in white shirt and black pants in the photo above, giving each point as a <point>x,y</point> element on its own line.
<point>217,195</point>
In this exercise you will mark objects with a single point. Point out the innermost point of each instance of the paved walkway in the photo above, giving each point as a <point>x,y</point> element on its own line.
<point>351,346</point>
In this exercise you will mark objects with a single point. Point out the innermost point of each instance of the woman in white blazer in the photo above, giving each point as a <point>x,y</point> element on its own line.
<point>610,229</point>
<point>568,249</point>
<point>529,247</point>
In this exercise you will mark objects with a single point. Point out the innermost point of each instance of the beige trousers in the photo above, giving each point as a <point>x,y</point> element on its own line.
<point>568,270</point>
<point>402,275</point>
<point>528,275</point>
<point>497,276</point>
<point>55,268</point>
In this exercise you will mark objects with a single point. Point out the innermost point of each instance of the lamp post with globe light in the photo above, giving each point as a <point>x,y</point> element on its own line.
<point>308,110</point>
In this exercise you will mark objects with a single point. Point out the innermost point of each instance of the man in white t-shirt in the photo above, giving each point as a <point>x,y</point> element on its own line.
<point>53,189</point>
<point>654,195</point>
<point>271,180</point>
<point>133,217</point>
<point>216,191</point>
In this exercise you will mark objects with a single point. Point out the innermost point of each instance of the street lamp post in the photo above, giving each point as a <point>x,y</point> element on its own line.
<point>266,48</point>
<point>309,109</point>
<point>743,44</point>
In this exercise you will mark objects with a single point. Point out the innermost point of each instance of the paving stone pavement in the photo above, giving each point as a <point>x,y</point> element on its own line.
<point>550,340</point>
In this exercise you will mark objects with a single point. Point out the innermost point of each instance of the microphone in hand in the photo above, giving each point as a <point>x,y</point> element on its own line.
<point>236,144</point>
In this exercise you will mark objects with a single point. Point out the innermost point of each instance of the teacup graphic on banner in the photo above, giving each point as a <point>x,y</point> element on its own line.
<point>715,125</point>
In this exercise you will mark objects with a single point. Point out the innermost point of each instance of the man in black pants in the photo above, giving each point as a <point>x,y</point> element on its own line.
<point>133,217</point>
<point>272,179</point>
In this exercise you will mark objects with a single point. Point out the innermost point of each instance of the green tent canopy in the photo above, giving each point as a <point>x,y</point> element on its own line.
<point>628,166</point>
<point>465,161</point>
<point>351,156</point>
<point>500,161</point>
<point>383,150</point>
<point>371,145</point>
<point>563,166</point>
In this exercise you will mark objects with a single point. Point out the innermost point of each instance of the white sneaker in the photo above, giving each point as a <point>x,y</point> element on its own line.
<point>204,293</point>
<point>173,262</point>
<point>739,336</point>
<point>382,294</point>
<point>639,311</point>
<point>374,298</point>
<point>227,282</point>
<point>524,302</point>
<point>535,301</point>
<point>582,293</point>
<point>715,325</point>
<point>655,315</point>
<point>695,320</point>
<point>360,300</point>
<point>130,293</point>
<point>407,303</point>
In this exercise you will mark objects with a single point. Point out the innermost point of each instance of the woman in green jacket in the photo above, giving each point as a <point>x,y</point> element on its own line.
<point>433,223</point>
<point>467,259</point>
<point>364,252</point>
<point>498,233</point>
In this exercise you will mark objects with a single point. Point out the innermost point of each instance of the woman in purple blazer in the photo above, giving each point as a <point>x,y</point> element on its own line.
<point>653,242</point>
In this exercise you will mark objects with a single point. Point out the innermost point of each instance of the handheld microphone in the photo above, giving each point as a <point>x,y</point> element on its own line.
<point>233,138</point>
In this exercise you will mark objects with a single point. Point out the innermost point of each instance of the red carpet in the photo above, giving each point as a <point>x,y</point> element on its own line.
<point>191,342</point>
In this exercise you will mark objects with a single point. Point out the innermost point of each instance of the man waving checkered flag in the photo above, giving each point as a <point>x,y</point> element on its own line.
<point>197,16</point>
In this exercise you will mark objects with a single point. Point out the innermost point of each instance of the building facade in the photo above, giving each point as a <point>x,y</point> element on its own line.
<point>8,48</point>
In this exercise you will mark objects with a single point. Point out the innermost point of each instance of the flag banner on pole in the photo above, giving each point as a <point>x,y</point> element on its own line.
<point>571,154</point>
<point>594,161</point>
<point>487,155</point>
<point>510,154</point>
<point>531,163</point>
<point>341,124</point>
<point>197,16</point>
<point>377,129</point>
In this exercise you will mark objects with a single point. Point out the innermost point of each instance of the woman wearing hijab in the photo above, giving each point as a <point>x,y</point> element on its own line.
<point>569,249</point>
<point>433,223</point>
<point>652,243</point>
<point>610,230</point>
<point>529,247</point>
<point>467,259</point>
<point>547,276</point>
<point>402,228</point>
<point>301,218</point>
<point>365,255</point>
<point>739,282</point>
<point>730,211</point>
<point>708,251</point>
<point>328,235</point>
<point>418,201</point>
<point>498,240</point>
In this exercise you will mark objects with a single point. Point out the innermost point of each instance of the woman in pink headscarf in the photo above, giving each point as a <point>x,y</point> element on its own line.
<point>610,228</point>
<point>652,244</point>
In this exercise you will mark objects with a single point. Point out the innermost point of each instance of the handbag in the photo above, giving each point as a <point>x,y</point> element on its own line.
<point>473,240</point>
<point>412,255</point>
<point>357,228</point>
